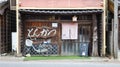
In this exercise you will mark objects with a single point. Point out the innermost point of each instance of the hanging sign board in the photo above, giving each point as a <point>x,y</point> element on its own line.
<point>55,25</point>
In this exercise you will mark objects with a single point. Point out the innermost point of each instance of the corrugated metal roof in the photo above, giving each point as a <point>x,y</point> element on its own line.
<point>61,11</point>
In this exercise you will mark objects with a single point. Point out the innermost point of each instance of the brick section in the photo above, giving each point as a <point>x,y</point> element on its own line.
<point>61,3</point>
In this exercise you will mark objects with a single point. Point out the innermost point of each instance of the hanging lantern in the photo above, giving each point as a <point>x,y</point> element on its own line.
<point>74,18</point>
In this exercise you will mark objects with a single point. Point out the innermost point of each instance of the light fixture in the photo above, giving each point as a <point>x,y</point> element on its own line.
<point>74,18</point>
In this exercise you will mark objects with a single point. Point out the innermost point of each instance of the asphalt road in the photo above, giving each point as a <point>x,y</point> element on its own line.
<point>57,64</point>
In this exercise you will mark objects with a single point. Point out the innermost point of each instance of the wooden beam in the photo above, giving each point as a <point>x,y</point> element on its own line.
<point>59,21</point>
<point>60,8</point>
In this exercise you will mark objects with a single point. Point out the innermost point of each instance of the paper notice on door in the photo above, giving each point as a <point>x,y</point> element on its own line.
<point>69,30</point>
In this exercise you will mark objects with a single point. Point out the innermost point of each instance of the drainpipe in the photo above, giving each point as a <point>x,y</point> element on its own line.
<point>115,30</point>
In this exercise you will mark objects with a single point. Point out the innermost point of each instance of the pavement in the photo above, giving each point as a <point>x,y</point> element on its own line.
<point>92,59</point>
<point>11,58</point>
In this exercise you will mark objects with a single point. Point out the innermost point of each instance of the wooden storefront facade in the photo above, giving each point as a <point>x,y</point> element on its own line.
<point>52,21</point>
<point>6,28</point>
<point>65,35</point>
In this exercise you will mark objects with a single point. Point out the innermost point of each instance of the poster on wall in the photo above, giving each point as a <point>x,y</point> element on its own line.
<point>69,30</point>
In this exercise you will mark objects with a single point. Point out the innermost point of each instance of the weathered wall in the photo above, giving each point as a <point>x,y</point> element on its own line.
<point>61,3</point>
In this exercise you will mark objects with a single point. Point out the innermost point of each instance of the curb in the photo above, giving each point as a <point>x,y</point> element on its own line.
<point>93,59</point>
<point>11,58</point>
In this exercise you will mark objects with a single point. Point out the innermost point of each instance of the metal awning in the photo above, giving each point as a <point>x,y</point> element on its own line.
<point>61,11</point>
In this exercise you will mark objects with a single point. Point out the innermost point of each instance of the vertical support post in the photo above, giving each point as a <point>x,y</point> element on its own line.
<point>104,29</point>
<point>112,38</point>
<point>0,33</point>
<point>17,25</point>
<point>115,30</point>
<point>59,42</point>
<point>95,37</point>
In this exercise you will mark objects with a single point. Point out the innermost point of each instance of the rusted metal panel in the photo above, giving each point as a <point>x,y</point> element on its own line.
<point>61,3</point>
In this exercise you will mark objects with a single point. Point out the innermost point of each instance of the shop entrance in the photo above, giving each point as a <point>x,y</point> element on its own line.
<point>64,35</point>
<point>72,46</point>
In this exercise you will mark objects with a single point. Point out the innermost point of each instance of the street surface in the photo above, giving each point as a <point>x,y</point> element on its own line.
<point>57,64</point>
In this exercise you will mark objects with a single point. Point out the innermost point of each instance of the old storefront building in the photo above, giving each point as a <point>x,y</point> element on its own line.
<point>7,26</point>
<point>63,27</point>
<point>4,31</point>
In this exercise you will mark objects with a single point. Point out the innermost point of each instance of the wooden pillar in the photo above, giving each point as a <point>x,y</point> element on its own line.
<point>0,33</point>
<point>115,29</point>
<point>17,25</point>
<point>59,42</point>
<point>95,37</point>
<point>112,38</point>
<point>104,28</point>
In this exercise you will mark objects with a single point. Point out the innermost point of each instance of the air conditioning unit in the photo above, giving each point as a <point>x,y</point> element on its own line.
<point>13,4</point>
